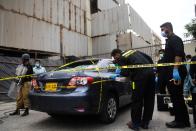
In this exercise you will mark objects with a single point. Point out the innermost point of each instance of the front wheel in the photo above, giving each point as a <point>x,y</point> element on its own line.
<point>109,110</point>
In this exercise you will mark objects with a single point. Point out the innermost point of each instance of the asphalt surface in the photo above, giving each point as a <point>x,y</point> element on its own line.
<point>38,121</point>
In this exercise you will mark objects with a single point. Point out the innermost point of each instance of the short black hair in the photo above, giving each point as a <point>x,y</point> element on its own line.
<point>116,51</point>
<point>167,25</point>
<point>188,56</point>
<point>161,50</point>
<point>37,60</point>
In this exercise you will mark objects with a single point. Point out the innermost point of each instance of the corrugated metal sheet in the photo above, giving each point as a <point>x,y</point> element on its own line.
<point>39,10</point>
<point>46,10</point>
<point>141,28</point>
<point>73,17</point>
<point>74,44</point>
<point>110,21</point>
<point>121,2</point>
<point>78,20</point>
<point>124,41</point>
<point>66,14</point>
<point>104,44</point>
<point>76,3</point>
<point>35,24</point>
<point>2,27</point>
<point>82,22</point>
<point>106,4</point>
<point>83,5</point>
<point>60,11</point>
<point>52,11</point>
<point>28,33</point>
<point>189,48</point>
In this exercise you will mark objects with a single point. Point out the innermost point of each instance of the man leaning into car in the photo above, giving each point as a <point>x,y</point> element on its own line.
<point>143,82</point>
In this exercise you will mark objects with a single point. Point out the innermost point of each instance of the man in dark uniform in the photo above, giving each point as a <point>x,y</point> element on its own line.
<point>193,76</point>
<point>162,81</point>
<point>143,82</point>
<point>193,69</point>
<point>174,52</point>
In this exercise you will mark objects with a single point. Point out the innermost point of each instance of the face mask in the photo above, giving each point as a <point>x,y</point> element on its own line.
<point>161,55</point>
<point>37,65</point>
<point>163,34</point>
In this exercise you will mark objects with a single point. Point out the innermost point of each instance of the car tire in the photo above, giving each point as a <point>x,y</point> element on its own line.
<point>109,109</point>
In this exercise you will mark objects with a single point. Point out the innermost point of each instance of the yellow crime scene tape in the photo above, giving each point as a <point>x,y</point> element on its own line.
<point>99,69</point>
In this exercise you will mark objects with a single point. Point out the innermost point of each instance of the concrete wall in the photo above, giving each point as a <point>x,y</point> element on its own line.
<point>190,47</point>
<point>122,21</point>
<point>108,4</point>
<point>42,25</point>
<point>67,27</point>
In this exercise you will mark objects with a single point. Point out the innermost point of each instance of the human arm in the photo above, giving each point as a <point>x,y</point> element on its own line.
<point>178,49</point>
<point>193,70</point>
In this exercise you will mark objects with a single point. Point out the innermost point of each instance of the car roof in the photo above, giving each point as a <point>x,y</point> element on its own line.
<point>83,60</point>
<point>94,59</point>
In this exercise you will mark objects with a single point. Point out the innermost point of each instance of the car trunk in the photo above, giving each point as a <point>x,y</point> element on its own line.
<point>57,81</point>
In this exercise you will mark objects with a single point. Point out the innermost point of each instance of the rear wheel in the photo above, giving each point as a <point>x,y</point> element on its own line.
<point>109,110</point>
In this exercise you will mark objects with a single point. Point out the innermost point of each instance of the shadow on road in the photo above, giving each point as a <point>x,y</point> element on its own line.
<point>76,121</point>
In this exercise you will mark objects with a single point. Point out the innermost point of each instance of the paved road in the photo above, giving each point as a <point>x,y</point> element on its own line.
<point>38,121</point>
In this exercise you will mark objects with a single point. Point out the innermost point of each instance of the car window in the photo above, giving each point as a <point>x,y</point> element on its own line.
<point>105,65</point>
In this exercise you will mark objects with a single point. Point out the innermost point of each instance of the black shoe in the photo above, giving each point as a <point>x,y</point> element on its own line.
<point>16,112</point>
<point>144,125</point>
<point>187,124</point>
<point>131,126</point>
<point>175,124</point>
<point>26,112</point>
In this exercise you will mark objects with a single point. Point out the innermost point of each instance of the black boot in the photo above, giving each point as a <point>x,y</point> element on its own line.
<point>175,124</point>
<point>26,112</point>
<point>16,112</point>
<point>145,124</point>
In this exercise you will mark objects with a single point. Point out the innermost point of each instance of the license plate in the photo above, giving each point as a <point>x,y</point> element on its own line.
<point>51,87</point>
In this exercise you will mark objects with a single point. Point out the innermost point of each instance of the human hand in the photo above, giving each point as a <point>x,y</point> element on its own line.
<point>194,81</point>
<point>176,75</point>
<point>118,71</point>
<point>113,77</point>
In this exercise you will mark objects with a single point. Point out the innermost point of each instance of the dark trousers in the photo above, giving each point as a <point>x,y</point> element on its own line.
<point>177,98</point>
<point>194,106</point>
<point>143,99</point>
<point>162,83</point>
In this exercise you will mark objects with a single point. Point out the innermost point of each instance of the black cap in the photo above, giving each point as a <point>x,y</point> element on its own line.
<point>26,57</point>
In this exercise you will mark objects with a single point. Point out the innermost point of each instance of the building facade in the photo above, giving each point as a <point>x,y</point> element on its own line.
<point>68,27</point>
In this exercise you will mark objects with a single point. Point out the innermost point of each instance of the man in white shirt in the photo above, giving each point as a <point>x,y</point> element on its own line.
<point>38,69</point>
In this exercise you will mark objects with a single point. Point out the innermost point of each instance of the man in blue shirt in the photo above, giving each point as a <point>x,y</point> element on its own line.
<point>38,69</point>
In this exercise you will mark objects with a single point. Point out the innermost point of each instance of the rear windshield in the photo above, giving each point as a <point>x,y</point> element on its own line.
<point>91,64</point>
<point>77,64</point>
